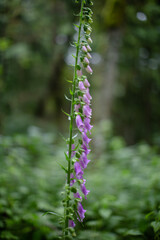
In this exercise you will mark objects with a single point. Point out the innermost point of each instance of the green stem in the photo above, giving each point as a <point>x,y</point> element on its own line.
<point>71,124</point>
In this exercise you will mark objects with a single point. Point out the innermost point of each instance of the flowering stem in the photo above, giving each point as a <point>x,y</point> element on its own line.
<point>71,125</point>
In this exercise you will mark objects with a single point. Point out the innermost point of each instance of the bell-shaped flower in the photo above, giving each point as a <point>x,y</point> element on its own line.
<point>89,69</point>
<point>77,195</point>
<point>79,123</point>
<point>84,160</point>
<point>87,124</point>
<point>81,86</point>
<point>88,94</point>
<point>78,170</point>
<point>86,83</point>
<point>89,55</point>
<point>84,49</point>
<point>81,212</point>
<point>84,190</point>
<point>85,60</point>
<point>85,138</point>
<point>87,111</point>
<point>85,99</point>
<point>71,223</point>
<point>85,148</point>
<point>77,107</point>
<point>89,48</point>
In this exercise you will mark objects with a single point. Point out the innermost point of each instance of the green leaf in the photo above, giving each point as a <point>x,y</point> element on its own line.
<point>156,226</point>
<point>53,213</point>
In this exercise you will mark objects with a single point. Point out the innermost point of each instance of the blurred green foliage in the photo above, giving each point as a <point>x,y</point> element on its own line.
<point>124,183</point>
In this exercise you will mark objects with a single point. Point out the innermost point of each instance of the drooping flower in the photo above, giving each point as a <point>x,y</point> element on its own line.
<point>79,123</point>
<point>87,111</point>
<point>78,170</point>
<point>71,224</point>
<point>84,190</point>
<point>81,86</point>
<point>86,83</point>
<point>81,212</point>
<point>85,99</point>
<point>89,48</point>
<point>86,60</point>
<point>85,148</point>
<point>77,195</point>
<point>89,69</point>
<point>88,94</point>
<point>87,124</point>
<point>89,40</point>
<point>77,107</point>
<point>89,55</point>
<point>84,160</point>
<point>84,49</point>
<point>85,138</point>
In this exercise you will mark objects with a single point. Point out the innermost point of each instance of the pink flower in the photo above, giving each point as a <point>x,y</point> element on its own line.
<point>86,83</point>
<point>84,49</point>
<point>81,86</point>
<point>86,60</point>
<point>77,107</point>
<point>79,123</point>
<point>89,69</point>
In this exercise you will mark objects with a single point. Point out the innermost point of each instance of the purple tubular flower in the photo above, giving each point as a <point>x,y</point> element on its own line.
<point>85,99</point>
<point>79,123</point>
<point>84,160</point>
<point>84,49</point>
<point>77,195</point>
<point>81,86</point>
<point>87,124</point>
<point>88,94</point>
<point>84,190</point>
<point>78,170</point>
<point>87,111</point>
<point>86,60</point>
<point>86,83</point>
<point>71,224</point>
<point>77,107</point>
<point>85,148</point>
<point>89,69</point>
<point>81,212</point>
<point>89,56</point>
<point>85,138</point>
<point>72,181</point>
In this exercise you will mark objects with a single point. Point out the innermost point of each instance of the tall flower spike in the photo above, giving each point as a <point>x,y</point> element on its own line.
<point>78,149</point>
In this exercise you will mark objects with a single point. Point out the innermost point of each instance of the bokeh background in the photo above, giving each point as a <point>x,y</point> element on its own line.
<point>35,64</point>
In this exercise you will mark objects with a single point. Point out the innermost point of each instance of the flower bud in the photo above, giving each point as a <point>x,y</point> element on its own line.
<point>89,40</point>
<point>89,56</point>
<point>89,69</point>
<point>89,48</point>
<point>84,49</point>
<point>86,60</point>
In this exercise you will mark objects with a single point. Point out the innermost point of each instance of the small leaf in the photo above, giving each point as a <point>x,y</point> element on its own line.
<point>76,25</point>
<point>67,98</point>
<point>53,213</point>
<point>65,112</point>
